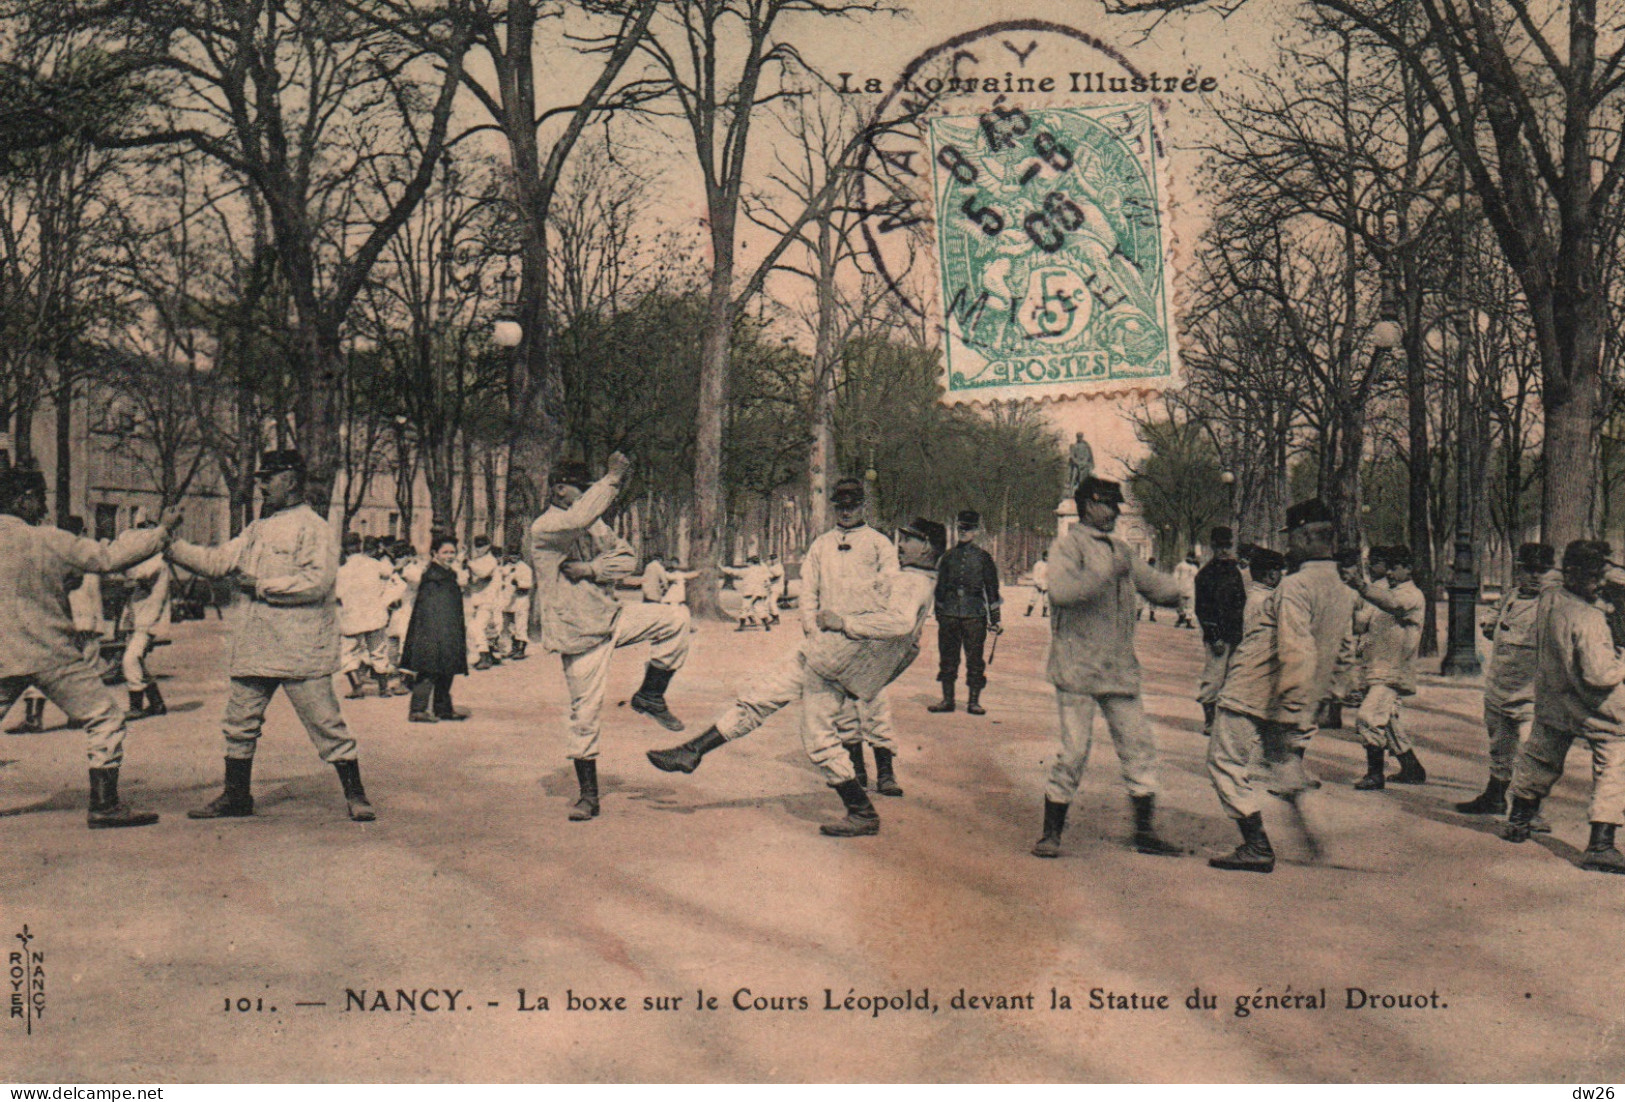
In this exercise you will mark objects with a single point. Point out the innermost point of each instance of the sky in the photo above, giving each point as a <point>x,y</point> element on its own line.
<point>1192,49</point>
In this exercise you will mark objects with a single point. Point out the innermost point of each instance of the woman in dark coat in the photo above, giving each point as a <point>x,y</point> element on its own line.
<point>436,649</point>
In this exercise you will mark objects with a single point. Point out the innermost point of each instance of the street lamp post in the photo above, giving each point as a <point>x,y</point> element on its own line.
<point>1461,651</point>
<point>1461,633</point>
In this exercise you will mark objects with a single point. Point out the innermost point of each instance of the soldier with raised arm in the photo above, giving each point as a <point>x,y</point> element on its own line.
<point>1094,579</point>
<point>578,559</point>
<point>38,648</point>
<point>285,633</point>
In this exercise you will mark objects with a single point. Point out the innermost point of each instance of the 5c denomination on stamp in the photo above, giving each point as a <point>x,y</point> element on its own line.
<point>1051,240</point>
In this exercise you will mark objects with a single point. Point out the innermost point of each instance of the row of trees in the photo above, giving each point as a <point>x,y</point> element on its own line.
<point>292,221</point>
<point>1411,268</point>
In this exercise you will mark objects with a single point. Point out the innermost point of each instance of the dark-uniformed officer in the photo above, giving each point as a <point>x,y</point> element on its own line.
<point>1221,598</point>
<point>967,609</point>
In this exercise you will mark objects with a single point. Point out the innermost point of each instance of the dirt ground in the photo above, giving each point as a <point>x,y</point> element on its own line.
<point>699,888</point>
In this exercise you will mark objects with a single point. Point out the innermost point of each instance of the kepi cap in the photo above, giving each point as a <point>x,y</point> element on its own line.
<point>1101,490</point>
<point>1536,557</point>
<point>278,460</point>
<point>571,472</point>
<point>928,530</point>
<point>970,518</point>
<point>1261,560</point>
<point>1587,555</point>
<point>1312,511</point>
<point>848,492</point>
<point>17,481</point>
<point>1221,537</point>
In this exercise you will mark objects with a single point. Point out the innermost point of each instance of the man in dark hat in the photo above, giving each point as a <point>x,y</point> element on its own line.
<point>1093,581</point>
<point>1509,679</point>
<point>1579,694</point>
<point>38,648</point>
<point>850,658</point>
<point>840,573</point>
<point>967,609</point>
<point>285,633</point>
<point>578,559</point>
<point>1393,635</point>
<point>1221,599</point>
<point>1277,676</point>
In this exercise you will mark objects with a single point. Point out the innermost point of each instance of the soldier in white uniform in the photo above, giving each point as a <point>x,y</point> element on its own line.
<point>753,583</point>
<point>1509,681</point>
<point>364,588</point>
<point>482,601</point>
<point>285,633</point>
<point>1393,635</point>
<point>1579,694</point>
<point>839,574</point>
<point>39,648</point>
<point>519,580</point>
<point>1276,677</point>
<point>1184,575</point>
<point>851,658</point>
<point>1093,582</point>
<point>578,560</point>
<point>408,572</point>
<point>148,608</point>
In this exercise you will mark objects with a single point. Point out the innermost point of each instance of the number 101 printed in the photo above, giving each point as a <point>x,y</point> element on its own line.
<point>1050,242</point>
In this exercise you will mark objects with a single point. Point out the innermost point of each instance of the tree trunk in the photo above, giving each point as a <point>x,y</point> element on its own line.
<point>822,472</point>
<point>709,505</point>
<point>1421,473</point>
<point>64,442</point>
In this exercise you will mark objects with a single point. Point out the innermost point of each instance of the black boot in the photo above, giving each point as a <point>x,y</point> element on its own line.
<point>106,811</point>
<point>155,702</point>
<point>33,718</point>
<point>1373,780</point>
<point>1210,712</point>
<point>1054,822</point>
<point>1254,854</point>
<point>518,654</point>
<point>1519,818</point>
<point>382,681</point>
<point>861,816</point>
<point>1600,854</point>
<point>1492,801</point>
<point>358,688</point>
<point>650,699</point>
<point>686,758</point>
<point>973,702</point>
<point>354,795</point>
<point>885,780</point>
<point>1331,716</point>
<point>1145,831</point>
<point>946,704</point>
<point>586,807</point>
<point>422,695</point>
<point>854,750</point>
<point>236,801</point>
<point>138,704</point>
<point>1410,770</point>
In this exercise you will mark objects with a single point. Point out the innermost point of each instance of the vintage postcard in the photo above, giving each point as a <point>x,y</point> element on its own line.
<point>779,542</point>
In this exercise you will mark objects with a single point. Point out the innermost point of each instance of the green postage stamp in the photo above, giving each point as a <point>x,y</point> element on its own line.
<point>1052,243</point>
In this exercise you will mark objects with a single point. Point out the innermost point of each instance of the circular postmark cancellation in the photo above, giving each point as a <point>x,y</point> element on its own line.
<point>1025,160</point>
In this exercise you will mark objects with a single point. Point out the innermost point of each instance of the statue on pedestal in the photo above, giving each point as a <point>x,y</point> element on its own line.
<point>1080,464</point>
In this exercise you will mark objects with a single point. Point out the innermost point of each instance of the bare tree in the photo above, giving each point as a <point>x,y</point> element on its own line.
<point>331,111</point>
<point>1533,109</point>
<point>719,61</point>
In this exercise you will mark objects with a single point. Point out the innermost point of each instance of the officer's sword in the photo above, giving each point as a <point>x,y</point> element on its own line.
<point>994,649</point>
